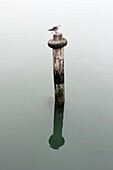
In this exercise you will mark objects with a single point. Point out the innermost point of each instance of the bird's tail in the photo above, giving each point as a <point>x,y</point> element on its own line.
<point>49,29</point>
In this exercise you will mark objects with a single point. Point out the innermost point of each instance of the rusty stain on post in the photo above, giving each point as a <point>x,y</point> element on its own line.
<point>57,44</point>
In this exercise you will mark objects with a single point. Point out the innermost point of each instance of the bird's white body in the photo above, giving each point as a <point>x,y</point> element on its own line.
<point>55,29</point>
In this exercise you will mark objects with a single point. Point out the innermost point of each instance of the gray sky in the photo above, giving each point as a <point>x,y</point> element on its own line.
<point>41,14</point>
<point>9,6</point>
<point>86,23</point>
<point>24,9</point>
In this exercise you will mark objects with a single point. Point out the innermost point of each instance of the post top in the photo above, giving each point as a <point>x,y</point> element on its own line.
<point>57,37</point>
<point>57,42</point>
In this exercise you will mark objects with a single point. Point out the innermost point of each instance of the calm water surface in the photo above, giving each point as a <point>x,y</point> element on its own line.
<point>26,89</point>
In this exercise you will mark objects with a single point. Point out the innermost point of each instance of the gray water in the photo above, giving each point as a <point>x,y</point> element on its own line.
<point>26,85</point>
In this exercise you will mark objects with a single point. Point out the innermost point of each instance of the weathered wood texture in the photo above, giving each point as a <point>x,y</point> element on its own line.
<point>57,44</point>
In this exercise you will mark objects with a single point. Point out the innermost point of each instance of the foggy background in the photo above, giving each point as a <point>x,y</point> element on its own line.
<point>26,84</point>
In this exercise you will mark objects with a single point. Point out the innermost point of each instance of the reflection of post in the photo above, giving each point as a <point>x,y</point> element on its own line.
<point>57,140</point>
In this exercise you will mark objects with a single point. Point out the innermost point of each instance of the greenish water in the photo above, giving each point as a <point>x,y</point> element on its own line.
<point>28,117</point>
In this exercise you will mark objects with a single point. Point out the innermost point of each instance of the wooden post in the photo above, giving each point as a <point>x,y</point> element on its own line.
<point>57,44</point>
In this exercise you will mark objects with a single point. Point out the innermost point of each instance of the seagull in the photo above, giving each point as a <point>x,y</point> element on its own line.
<point>55,29</point>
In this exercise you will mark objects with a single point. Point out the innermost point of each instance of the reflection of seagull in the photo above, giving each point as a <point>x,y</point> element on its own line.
<point>55,29</point>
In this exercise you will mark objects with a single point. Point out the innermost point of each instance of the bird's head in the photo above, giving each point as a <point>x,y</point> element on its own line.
<point>58,26</point>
